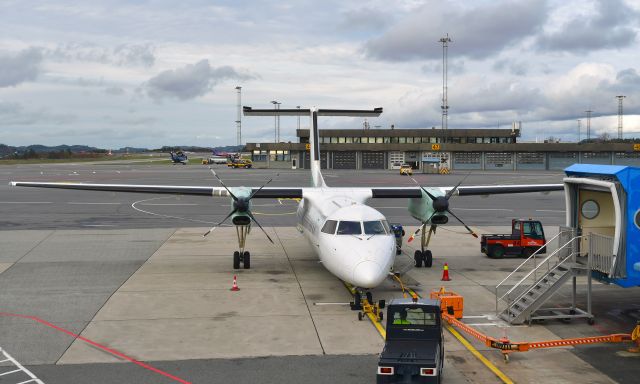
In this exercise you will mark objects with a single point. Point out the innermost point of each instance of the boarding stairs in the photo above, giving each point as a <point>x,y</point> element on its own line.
<point>539,279</point>
<point>12,372</point>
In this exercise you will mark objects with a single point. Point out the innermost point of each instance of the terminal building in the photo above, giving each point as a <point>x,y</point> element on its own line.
<point>431,149</point>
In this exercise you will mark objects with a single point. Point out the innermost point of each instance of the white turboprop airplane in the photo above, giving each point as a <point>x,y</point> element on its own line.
<point>352,240</point>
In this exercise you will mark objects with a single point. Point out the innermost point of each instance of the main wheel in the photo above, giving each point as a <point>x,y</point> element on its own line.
<point>370,298</point>
<point>246,259</point>
<point>236,260</point>
<point>527,252</point>
<point>417,257</point>
<point>428,259</point>
<point>497,252</point>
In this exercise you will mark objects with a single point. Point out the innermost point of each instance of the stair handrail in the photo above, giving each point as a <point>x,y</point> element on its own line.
<point>517,298</point>
<point>535,269</point>
<point>533,256</point>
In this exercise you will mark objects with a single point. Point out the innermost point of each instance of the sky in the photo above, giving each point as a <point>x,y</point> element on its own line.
<point>147,73</point>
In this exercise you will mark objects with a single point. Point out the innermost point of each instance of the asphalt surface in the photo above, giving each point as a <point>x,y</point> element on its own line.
<point>99,262</point>
<point>32,208</point>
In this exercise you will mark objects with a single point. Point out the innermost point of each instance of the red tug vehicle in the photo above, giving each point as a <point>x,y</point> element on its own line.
<point>526,237</point>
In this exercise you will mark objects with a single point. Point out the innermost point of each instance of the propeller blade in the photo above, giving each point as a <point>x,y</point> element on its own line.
<point>421,187</point>
<point>451,192</point>
<point>225,187</point>
<point>256,221</point>
<point>220,223</point>
<point>465,225</point>
<point>263,185</point>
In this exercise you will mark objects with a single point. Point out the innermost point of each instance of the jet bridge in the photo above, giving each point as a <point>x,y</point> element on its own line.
<point>603,207</point>
<point>601,240</point>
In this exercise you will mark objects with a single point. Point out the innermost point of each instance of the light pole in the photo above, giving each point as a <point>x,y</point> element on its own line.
<point>276,134</point>
<point>239,117</point>
<point>297,106</point>
<point>579,126</point>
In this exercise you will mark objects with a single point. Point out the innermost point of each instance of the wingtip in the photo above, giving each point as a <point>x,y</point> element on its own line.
<point>13,183</point>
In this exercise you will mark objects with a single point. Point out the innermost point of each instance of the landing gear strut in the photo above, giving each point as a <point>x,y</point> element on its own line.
<point>367,305</point>
<point>424,256</point>
<point>242,257</point>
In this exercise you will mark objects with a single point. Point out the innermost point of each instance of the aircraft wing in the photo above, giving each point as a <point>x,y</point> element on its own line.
<point>267,192</point>
<point>415,192</point>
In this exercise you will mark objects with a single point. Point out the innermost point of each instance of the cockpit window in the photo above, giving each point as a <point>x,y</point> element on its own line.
<point>330,227</point>
<point>349,228</point>
<point>386,226</point>
<point>374,228</point>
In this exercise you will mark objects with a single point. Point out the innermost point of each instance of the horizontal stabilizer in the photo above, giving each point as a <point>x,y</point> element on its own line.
<point>248,111</point>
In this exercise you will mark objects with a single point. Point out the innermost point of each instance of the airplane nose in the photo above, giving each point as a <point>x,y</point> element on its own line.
<point>368,274</point>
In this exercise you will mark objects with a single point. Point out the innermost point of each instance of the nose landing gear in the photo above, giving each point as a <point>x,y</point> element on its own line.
<point>366,305</point>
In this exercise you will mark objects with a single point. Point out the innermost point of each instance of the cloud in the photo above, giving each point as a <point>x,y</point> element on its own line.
<point>190,81</point>
<point>116,91</point>
<point>612,25</point>
<point>476,32</point>
<point>19,68</point>
<point>364,19</point>
<point>125,55</point>
<point>14,114</point>
<point>517,68</point>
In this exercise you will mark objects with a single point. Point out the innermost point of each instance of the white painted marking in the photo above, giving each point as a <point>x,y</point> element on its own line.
<point>331,303</point>
<point>89,203</point>
<point>98,225</point>
<point>20,369</point>
<point>170,204</point>
<point>476,317</point>
<point>26,202</point>
<point>484,209</point>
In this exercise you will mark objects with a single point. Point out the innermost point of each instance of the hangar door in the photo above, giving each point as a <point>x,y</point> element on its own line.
<point>323,160</point>
<point>344,160</point>
<point>373,160</point>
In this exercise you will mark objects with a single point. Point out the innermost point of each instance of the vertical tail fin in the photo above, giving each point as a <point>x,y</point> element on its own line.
<point>314,143</point>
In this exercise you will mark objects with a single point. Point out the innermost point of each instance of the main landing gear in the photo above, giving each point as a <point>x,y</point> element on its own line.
<point>424,256</point>
<point>242,257</point>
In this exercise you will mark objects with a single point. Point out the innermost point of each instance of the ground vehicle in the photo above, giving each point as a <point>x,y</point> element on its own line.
<point>405,169</point>
<point>525,238</point>
<point>414,350</point>
<point>239,163</point>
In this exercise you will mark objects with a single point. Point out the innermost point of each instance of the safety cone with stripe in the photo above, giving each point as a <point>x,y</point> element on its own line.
<point>235,284</point>
<point>445,272</point>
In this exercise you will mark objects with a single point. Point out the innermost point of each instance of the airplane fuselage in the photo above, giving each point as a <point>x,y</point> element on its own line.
<point>352,240</point>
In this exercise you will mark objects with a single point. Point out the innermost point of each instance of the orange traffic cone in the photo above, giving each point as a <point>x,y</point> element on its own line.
<point>445,272</point>
<point>235,284</point>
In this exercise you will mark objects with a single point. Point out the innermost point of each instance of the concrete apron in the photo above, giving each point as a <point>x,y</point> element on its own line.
<point>179,306</point>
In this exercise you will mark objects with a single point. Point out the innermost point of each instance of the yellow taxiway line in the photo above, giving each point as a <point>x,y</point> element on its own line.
<point>496,371</point>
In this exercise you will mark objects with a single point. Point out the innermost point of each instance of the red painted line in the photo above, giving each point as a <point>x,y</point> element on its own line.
<point>100,346</point>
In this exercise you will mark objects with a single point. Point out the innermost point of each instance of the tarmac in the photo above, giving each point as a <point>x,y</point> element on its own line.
<point>162,296</point>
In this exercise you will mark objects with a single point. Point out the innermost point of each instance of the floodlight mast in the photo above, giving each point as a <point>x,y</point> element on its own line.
<point>239,117</point>
<point>445,102</point>
<point>620,116</point>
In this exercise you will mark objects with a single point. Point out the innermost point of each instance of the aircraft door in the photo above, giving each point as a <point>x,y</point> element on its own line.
<point>595,215</point>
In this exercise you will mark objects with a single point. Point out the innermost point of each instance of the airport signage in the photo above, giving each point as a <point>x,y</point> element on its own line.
<point>435,147</point>
<point>307,147</point>
<point>636,147</point>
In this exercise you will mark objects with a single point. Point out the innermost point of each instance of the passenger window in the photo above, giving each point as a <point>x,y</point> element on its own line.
<point>374,228</point>
<point>330,227</point>
<point>349,228</point>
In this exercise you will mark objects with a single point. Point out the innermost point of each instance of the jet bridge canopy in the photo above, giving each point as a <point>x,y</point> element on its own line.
<point>603,203</point>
